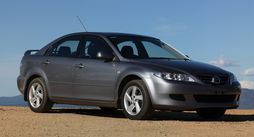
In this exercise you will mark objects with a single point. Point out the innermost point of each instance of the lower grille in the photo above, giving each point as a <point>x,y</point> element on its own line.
<point>214,98</point>
<point>179,97</point>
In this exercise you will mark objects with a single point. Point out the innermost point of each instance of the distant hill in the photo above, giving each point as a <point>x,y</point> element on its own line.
<point>12,101</point>
<point>246,101</point>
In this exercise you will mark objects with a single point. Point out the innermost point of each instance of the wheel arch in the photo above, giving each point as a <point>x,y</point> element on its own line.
<point>124,81</point>
<point>31,76</point>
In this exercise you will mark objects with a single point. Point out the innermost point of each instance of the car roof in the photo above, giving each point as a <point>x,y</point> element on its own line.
<point>108,34</point>
<point>105,34</point>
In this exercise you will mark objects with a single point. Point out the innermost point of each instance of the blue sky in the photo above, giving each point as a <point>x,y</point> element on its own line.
<point>218,32</point>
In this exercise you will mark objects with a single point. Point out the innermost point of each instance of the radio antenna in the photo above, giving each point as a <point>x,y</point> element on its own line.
<point>82,23</point>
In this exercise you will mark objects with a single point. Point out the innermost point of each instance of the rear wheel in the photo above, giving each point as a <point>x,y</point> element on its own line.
<point>37,97</point>
<point>135,100</point>
<point>211,113</point>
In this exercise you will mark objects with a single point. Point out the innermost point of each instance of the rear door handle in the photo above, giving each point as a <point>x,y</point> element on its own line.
<point>79,66</point>
<point>46,62</point>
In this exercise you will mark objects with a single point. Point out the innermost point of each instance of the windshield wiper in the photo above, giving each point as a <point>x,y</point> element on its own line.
<point>169,58</point>
<point>163,58</point>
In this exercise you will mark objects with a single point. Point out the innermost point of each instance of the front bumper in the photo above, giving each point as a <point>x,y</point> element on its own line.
<point>182,96</point>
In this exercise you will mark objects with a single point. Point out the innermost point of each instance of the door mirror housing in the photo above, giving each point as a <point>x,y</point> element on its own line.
<point>30,52</point>
<point>108,56</point>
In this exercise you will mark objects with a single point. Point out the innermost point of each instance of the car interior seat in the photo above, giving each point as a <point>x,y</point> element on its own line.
<point>64,52</point>
<point>127,52</point>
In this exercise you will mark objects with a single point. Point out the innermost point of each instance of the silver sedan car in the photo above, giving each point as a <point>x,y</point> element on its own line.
<point>135,73</point>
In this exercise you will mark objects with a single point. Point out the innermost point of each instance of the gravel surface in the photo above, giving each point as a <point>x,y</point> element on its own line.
<point>21,122</point>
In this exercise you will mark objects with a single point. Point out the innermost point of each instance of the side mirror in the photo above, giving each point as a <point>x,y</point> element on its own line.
<point>108,56</point>
<point>187,56</point>
<point>30,52</point>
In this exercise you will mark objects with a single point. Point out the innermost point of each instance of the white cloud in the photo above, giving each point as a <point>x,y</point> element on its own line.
<point>247,84</point>
<point>249,72</point>
<point>170,28</point>
<point>162,19</point>
<point>165,25</point>
<point>221,62</point>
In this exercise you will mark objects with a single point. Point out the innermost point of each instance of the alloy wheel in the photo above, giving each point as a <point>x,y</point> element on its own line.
<point>36,95</point>
<point>133,100</point>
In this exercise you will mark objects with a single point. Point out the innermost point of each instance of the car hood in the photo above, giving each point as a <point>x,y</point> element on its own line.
<point>187,66</point>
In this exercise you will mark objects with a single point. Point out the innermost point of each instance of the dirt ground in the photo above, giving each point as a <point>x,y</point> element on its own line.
<point>21,122</point>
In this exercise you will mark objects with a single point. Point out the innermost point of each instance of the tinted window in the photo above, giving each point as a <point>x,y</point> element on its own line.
<point>144,48</point>
<point>92,45</point>
<point>128,43</point>
<point>155,51</point>
<point>67,48</point>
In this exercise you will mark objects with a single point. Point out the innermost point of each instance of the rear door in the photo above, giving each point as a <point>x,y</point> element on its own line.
<point>95,78</point>
<point>58,65</point>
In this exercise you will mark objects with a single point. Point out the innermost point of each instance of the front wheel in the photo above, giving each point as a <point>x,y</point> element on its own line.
<point>211,113</point>
<point>135,101</point>
<point>37,97</point>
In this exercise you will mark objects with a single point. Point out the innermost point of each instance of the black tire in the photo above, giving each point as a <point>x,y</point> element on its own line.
<point>108,109</point>
<point>211,113</point>
<point>45,103</point>
<point>146,109</point>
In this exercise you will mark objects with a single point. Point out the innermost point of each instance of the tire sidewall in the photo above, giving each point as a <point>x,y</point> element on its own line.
<point>146,107</point>
<point>45,99</point>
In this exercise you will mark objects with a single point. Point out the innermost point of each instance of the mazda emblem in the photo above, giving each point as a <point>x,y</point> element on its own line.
<point>215,80</point>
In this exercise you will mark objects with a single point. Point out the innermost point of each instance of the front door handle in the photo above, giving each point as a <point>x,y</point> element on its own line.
<point>46,62</point>
<point>79,65</point>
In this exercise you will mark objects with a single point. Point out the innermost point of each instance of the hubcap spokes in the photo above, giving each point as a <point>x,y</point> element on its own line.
<point>36,95</point>
<point>133,100</point>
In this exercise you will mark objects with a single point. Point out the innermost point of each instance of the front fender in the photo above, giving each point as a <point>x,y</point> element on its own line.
<point>143,74</point>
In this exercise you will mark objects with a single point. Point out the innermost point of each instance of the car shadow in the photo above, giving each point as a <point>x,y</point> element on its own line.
<point>159,115</point>
<point>192,116</point>
<point>91,112</point>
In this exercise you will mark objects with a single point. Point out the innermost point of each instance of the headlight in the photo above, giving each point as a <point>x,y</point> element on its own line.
<point>175,77</point>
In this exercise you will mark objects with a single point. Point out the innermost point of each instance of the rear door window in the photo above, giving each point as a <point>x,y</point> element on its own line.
<point>67,48</point>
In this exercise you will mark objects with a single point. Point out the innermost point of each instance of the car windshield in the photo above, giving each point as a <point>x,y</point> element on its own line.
<point>134,47</point>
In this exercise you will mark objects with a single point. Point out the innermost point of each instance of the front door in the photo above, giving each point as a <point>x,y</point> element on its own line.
<point>94,78</point>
